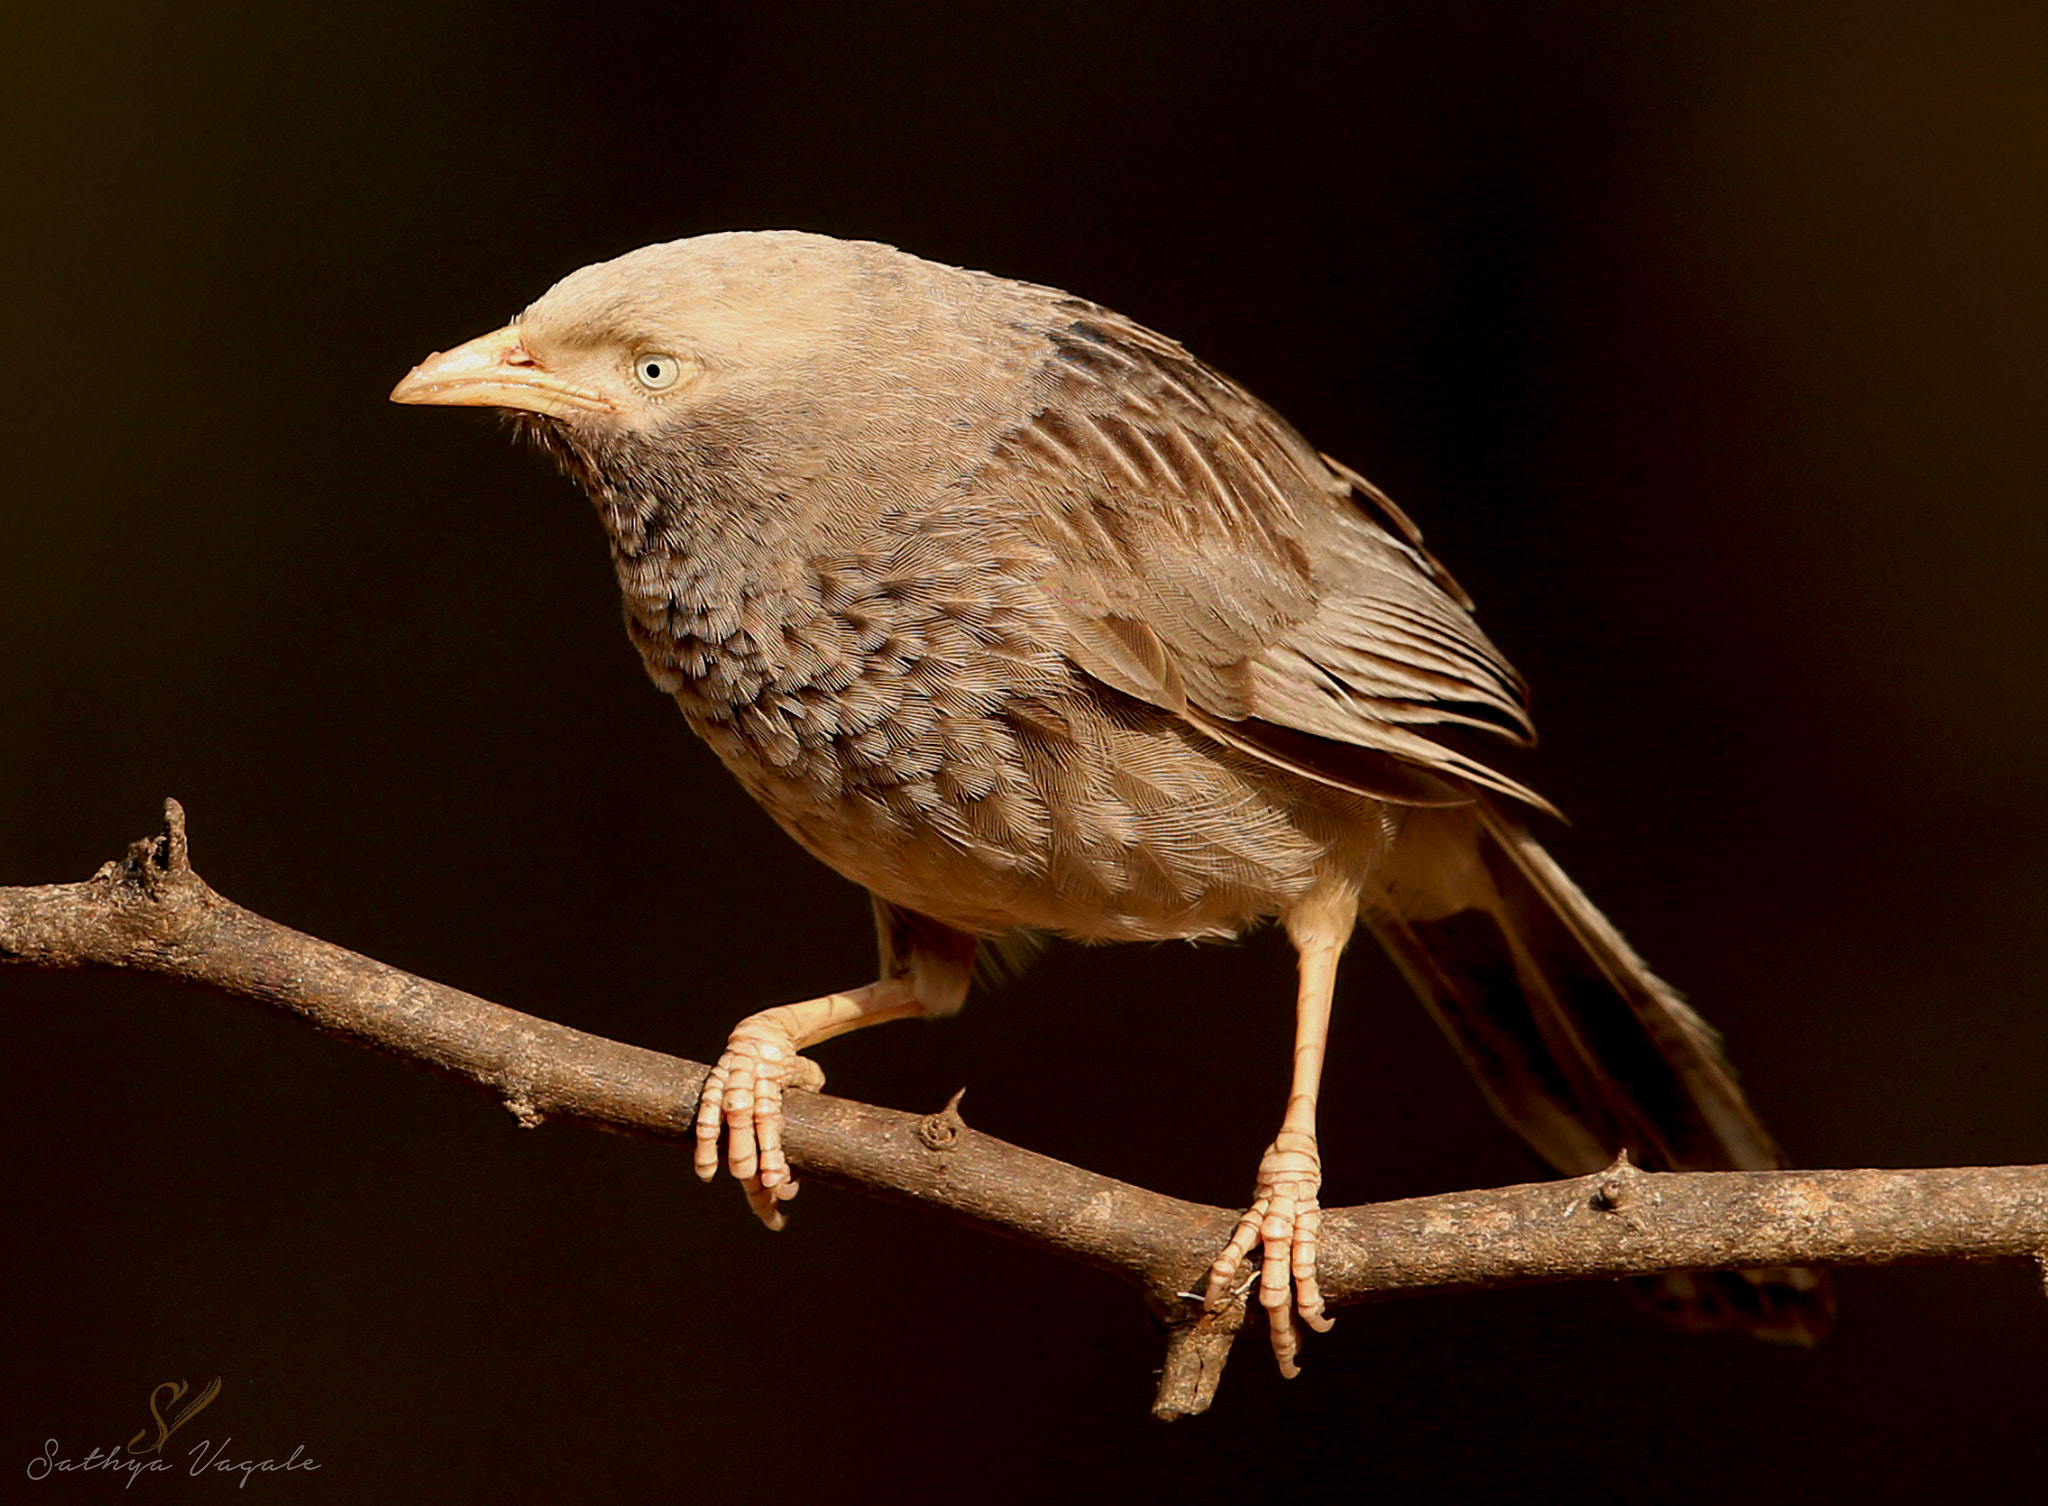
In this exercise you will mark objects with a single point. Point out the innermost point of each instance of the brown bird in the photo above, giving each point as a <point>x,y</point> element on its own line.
<point>1018,615</point>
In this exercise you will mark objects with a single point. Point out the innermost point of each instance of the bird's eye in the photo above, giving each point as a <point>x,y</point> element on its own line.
<point>657,372</point>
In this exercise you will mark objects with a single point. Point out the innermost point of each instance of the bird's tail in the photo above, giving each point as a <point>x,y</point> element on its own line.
<point>1581,1049</point>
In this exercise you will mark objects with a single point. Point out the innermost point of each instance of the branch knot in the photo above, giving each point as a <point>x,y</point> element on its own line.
<point>1617,1187</point>
<point>941,1131</point>
<point>155,863</point>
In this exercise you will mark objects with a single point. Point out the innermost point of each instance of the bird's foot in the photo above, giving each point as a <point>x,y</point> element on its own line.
<point>742,1098</point>
<point>1282,1221</point>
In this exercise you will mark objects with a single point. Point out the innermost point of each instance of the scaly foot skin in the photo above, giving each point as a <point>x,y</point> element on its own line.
<point>743,1098</point>
<point>1282,1220</point>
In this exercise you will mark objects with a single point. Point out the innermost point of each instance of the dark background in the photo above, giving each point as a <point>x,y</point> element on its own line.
<point>1705,340</point>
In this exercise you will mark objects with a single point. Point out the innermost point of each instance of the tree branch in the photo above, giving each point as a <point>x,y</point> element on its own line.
<point>150,912</point>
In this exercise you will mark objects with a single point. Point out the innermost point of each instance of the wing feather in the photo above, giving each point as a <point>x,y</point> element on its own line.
<point>1204,558</point>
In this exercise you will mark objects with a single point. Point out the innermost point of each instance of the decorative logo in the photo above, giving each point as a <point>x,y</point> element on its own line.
<point>184,1414</point>
<point>205,1458</point>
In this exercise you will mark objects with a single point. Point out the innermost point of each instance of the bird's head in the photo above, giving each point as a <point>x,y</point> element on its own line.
<point>764,363</point>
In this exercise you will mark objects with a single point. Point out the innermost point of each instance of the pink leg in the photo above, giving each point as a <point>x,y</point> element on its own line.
<point>1285,1213</point>
<point>743,1095</point>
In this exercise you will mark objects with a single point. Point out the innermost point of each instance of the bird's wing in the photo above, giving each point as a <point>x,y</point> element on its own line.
<point>1205,559</point>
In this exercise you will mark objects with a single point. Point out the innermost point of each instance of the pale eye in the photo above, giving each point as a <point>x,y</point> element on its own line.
<point>657,372</point>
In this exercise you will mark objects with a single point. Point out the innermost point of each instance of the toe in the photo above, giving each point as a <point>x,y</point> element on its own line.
<point>768,1134</point>
<point>710,1120</point>
<point>1286,1342</point>
<point>1276,1242</point>
<point>741,1158</point>
<point>1223,1272</point>
<point>1276,1290</point>
<point>1308,1294</point>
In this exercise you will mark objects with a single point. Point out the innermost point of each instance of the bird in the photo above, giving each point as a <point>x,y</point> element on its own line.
<point>1027,621</point>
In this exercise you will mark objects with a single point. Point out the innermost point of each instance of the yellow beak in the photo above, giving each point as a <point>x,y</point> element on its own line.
<point>496,371</point>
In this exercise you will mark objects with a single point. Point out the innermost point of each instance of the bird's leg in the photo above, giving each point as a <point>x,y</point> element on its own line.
<point>743,1094</point>
<point>1285,1214</point>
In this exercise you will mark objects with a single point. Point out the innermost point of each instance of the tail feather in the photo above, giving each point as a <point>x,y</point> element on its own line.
<point>1585,1052</point>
